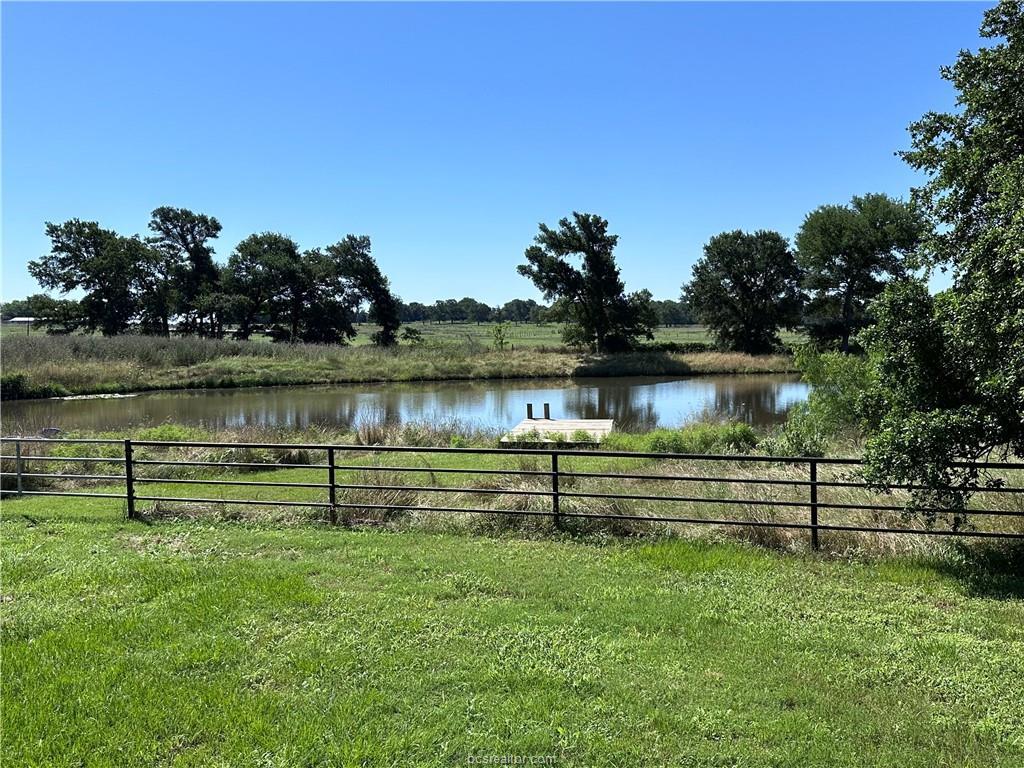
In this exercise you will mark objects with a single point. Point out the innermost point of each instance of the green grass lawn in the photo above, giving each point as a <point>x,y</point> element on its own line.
<point>211,642</point>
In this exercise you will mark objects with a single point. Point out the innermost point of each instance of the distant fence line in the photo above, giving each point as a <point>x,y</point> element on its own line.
<point>553,489</point>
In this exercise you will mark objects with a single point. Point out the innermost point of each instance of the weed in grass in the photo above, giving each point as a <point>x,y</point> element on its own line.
<point>708,437</point>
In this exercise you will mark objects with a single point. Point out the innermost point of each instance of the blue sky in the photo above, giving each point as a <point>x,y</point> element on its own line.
<point>447,132</point>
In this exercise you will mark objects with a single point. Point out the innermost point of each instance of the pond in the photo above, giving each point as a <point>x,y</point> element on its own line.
<point>635,403</point>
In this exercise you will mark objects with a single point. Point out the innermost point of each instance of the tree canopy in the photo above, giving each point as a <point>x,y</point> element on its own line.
<point>132,283</point>
<point>950,368</point>
<point>187,275</point>
<point>356,276</point>
<point>109,268</point>
<point>745,288</point>
<point>311,296</point>
<point>848,253</point>
<point>591,298</point>
<point>265,275</point>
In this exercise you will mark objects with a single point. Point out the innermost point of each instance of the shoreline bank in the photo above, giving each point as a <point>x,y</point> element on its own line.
<point>82,374</point>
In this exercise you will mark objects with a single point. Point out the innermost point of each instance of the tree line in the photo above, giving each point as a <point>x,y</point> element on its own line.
<point>469,310</point>
<point>169,282</point>
<point>146,284</point>
<point>66,315</point>
<point>745,287</point>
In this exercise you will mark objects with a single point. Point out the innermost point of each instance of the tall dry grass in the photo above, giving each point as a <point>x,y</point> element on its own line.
<point>58,365</point>
<point>506,491</point>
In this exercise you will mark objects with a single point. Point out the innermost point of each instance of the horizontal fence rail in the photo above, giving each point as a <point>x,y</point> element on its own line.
<point>554,490</point>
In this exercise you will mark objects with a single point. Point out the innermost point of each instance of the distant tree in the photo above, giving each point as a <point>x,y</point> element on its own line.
<point>359,271</point>
<point>160,296</point>
<point>57,316</point>
<point>330,300</point>
<point>474,311</point>
<point>413,312</point>
<point>215,307</point>
<point>591,298</point>
<point>539,314</point>
<point>848,252</point>
<point>949,369</point>
<point>446,311</point>
<point>183,238</point>
<point>745,288</point>
<point>518,310</point>
<point>18,307</point>
<point>672,312</point>
<point>262,274</point>
<point>438,312</point>
<point>110,269</point>
<point>314,296</point>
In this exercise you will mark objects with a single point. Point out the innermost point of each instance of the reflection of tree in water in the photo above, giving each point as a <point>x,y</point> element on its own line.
<point>637,406</point>
<point>629,406</point>
<point>752,399</point>
<point>634,404</point>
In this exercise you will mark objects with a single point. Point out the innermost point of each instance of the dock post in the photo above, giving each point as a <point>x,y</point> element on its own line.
<point>529,411</point>
<point>547,411</point>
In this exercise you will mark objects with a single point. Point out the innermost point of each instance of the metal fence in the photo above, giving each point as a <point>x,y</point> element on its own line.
<point>333,496</point>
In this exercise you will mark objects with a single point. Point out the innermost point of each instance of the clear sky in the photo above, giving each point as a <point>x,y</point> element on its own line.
<point>447,132</point>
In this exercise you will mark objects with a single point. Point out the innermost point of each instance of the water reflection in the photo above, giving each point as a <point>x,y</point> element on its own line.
<point>636,403</point>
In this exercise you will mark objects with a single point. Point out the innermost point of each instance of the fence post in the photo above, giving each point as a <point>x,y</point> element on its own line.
<point>555,512</point>
<point>814,504</point>
<point>129,482</point>
<point>332,491</point>
<point>18,464</point>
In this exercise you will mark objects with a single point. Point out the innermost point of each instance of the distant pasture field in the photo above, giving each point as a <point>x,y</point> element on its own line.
<point>19,329</point>
<point>517,334</point>
<point>543,334</point>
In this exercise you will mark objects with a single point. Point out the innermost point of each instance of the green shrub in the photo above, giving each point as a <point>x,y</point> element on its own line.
<point>532,436</point>
<point>731,437</point>
<point>582,436</point>
<point>838,383</point>
<point>16,386</point>
<point>557,438</point>
<point>801,435</point>
<point>679,347</point>
<point>85,450</point>
<point>833,410</point>
<point>173,433</point>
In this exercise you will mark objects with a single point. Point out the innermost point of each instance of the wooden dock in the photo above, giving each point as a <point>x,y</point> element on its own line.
<point>564,429</point>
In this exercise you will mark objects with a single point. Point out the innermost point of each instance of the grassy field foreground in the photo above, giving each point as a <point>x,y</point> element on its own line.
<point>221,643</point>
<point>45,366</point>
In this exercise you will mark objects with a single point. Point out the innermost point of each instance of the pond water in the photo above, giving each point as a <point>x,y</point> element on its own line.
<point>635,403</point>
